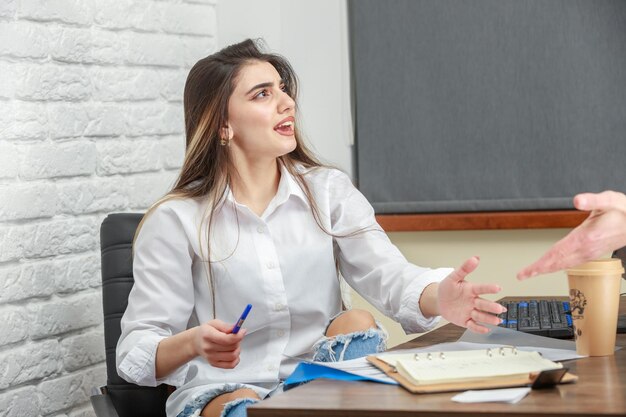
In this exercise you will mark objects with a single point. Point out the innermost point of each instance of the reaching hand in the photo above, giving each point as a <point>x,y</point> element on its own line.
<point>603,231</point>
<point>460,302</point>
<point>215,343</point>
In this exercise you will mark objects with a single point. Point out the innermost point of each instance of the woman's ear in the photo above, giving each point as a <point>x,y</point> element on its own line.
<point>226,135</point>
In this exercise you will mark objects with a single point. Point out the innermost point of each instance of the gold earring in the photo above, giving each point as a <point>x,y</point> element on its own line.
<point>225,137</point>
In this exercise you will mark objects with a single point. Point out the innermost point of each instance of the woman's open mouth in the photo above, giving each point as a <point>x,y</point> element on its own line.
<point>285,127</point>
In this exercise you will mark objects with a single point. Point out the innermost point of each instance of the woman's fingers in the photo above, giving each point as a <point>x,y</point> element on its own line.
<point>488,306</point>
<point>211,341</point>
<point>563,254</point>
<point>475,327</point>
<point>482,317</point>
<point>486,288</point>
<point>225,364</point>
<point>219,337</point>
<point>606,200</point>
<point>221,356</point>
<point>210,345</point>
<point>467,268</point>
<point>225,356</point>
<point>589,240</point>
<point>221,326</point>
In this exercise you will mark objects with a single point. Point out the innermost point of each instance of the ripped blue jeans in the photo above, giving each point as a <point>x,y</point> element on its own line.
<point>327,349</point>
<point>238,407</point>
<point>235,408</point>
<point>351,345</point>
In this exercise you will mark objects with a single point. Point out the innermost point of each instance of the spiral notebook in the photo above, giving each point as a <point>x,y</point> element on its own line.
<point>474,369</point>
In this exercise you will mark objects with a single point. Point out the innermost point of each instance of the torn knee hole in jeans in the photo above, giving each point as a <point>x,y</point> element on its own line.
<point>351,345</point>
<point>195,407</point>
<point>230,406</point>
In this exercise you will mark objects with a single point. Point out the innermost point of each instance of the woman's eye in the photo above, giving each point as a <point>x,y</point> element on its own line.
<point>262,93</point>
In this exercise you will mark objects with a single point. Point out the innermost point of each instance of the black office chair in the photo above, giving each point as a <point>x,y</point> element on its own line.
<point>120,398</point>
<point>621,319</point>
<point>621,254</point>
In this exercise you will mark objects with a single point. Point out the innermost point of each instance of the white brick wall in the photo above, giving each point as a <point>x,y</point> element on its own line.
<point>91,123</point>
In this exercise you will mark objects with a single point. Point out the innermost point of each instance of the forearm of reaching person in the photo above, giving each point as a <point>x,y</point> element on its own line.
<point>603,231</point>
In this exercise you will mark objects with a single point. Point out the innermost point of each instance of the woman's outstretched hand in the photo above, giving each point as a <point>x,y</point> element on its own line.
<point>460,302</point>
<point>215,343</point>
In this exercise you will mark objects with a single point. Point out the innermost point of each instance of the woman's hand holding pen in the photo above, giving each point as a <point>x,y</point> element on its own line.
<point>460,302</point>
<point>214,342</point>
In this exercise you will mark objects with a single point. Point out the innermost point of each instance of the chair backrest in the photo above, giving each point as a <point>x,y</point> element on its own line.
<point>116,237</point>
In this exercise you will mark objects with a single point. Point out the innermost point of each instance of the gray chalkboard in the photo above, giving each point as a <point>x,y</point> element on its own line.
<point>480,105</point>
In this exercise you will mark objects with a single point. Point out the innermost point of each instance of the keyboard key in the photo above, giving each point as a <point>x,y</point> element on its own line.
<point>556,309</point>
<point>525,324</point>
<point>544,315</point>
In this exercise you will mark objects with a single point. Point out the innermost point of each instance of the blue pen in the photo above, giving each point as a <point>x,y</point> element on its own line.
<point>241,319</point>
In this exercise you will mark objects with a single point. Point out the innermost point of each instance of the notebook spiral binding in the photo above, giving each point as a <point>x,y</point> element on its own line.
<point>502,351</point>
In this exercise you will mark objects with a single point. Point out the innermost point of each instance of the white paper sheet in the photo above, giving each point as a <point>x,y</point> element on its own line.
<point>507,395</point>
<point>550,348</point>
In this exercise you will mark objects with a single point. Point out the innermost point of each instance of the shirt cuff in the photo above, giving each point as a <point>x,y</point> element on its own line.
<point>410,315</point>
<point>139,367</point>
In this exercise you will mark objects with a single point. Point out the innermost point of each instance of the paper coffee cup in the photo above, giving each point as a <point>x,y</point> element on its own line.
<point>594,289</point>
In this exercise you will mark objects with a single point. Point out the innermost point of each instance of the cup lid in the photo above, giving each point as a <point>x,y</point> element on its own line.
<point>598,267</point>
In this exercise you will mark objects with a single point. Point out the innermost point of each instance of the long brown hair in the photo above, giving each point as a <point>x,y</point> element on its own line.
<point>207,166</point>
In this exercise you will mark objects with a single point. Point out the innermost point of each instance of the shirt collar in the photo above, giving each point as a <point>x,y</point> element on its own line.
<point>287,187</point>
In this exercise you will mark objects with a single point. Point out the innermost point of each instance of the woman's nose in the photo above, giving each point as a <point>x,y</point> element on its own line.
<point>286,103</point>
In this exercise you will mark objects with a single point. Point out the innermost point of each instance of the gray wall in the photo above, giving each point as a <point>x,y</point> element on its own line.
<point>479,105</point>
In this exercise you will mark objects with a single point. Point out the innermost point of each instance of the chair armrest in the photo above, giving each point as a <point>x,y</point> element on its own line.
<point>103,406</point>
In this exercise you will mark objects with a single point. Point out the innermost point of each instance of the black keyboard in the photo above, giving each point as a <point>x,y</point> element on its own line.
<point>549,318</point>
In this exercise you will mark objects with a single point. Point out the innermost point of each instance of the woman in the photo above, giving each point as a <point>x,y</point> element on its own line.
<point>255,218</point>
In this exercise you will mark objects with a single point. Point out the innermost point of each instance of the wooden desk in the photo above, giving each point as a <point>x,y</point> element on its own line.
<point>600,390</point>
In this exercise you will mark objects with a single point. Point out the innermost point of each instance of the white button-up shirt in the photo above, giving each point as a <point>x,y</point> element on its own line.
<point>281,262</point>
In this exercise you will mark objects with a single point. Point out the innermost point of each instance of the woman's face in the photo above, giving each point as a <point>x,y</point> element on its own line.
<point>261,114</point>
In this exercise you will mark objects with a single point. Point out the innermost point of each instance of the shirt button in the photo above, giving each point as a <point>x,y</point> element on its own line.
<point>271,265</point>
<point>279,306</point>
<point>280,333</point>
<point>271,368</point>
<point>260,229</point>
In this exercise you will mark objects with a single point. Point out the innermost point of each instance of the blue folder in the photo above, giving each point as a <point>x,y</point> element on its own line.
<point>305,372</point>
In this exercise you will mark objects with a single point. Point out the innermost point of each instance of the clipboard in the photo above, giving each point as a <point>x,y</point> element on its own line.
<point>535,380</point>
